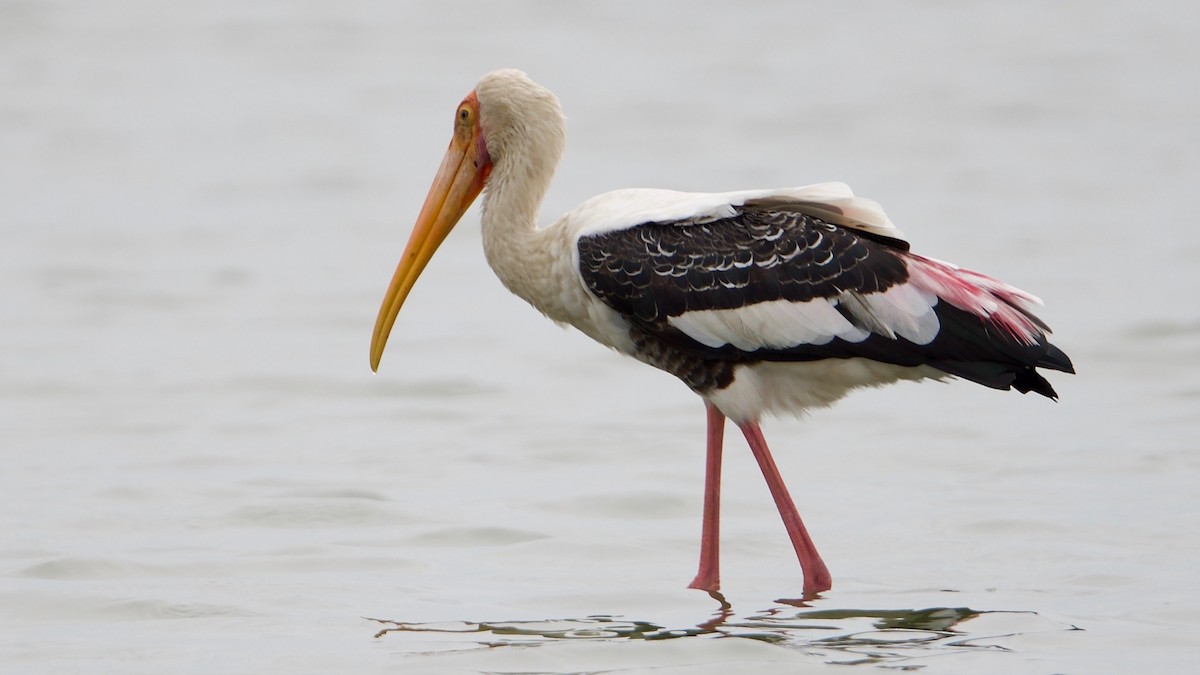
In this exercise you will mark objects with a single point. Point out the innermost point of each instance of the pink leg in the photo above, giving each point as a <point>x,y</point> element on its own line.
<point>709,576</point>
<point>816,575</point>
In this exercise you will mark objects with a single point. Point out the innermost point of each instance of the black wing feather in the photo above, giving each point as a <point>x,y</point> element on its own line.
<point>658,270</point>
<point>655,270</point>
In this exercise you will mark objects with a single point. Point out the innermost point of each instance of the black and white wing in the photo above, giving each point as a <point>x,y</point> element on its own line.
<point>774,278</point>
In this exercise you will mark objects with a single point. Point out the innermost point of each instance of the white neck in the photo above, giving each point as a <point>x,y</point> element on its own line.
<point>512,242</point>
<point>524,133</point>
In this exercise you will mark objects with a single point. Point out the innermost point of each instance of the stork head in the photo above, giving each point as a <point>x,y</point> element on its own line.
<point>507,130</point>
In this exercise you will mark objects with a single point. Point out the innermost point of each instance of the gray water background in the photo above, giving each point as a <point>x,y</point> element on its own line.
<point>200,207</point>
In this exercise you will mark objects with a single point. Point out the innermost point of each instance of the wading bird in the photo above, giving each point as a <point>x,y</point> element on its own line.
<point>761,301</point>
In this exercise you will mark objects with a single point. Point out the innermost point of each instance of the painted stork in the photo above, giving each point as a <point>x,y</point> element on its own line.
<point>761,301</point>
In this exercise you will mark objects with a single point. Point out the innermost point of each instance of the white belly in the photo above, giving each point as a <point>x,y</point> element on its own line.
<point>794,387</point>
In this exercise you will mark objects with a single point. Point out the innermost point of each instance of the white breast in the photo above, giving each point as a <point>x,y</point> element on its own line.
<point>794,387</point>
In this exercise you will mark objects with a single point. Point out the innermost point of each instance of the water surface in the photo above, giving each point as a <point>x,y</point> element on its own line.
<point>200,207</point>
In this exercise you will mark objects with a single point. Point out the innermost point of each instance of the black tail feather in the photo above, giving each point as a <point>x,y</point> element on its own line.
<point>1000,376</point>
<point>1056,359</point>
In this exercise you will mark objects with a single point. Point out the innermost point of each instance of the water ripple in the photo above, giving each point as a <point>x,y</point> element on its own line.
<point>888,637</point>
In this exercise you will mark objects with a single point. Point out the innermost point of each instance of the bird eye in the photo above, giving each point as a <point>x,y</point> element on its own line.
<point>464,114</point>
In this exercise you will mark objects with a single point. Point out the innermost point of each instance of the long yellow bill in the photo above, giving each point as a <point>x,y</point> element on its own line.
<point>458,182</point>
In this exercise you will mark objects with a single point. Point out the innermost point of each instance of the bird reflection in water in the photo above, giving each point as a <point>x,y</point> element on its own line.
<point>846,636</point>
